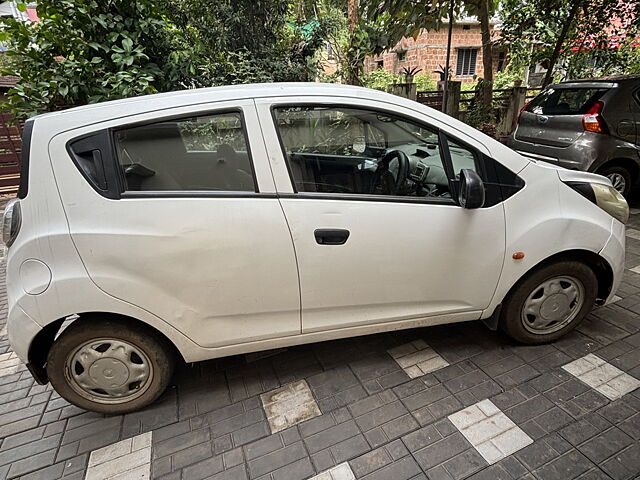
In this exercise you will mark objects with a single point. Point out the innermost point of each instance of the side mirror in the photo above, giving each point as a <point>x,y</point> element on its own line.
<point>471,191</point>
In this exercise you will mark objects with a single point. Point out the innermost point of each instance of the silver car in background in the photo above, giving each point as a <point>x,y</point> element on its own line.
<point>591,125</point>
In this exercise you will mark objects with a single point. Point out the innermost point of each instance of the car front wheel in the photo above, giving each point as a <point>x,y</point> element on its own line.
<point>549,302</point>
<point>109,365</point>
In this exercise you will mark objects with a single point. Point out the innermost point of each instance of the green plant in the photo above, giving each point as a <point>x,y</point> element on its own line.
<point>379,79</point>
<point>85,51</point>
<point>424,82</point>
<point>506,79</point>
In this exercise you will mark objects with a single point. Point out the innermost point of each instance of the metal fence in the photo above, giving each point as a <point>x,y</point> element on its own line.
<point>10,148</point>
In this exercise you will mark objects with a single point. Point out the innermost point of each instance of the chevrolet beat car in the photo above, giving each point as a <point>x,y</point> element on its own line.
<point>220,221</point>
<point>591,125</point>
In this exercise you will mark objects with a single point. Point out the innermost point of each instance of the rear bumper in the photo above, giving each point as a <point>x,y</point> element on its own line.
<point>574,157</point>
<point>21,330</point>
<point>613,253</point>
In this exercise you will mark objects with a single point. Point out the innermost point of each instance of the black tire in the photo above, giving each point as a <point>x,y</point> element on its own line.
<point>156,355</point>
<point>617,170</point>
<point>511,315</point>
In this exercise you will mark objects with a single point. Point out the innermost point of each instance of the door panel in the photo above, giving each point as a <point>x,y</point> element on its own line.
<point>400,260</point>
<point>219,267</point>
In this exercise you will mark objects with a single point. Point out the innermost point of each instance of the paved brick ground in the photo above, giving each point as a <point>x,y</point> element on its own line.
<point>375,421</point>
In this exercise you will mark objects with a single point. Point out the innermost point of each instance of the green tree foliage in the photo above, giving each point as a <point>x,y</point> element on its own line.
<point>86,51</point>
<point>250,40</point>
<point>575,35</point>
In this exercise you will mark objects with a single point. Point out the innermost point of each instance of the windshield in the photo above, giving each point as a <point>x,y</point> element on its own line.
<point>565,101</point>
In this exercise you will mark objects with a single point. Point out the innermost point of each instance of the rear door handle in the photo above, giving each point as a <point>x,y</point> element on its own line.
<point>331,236</point>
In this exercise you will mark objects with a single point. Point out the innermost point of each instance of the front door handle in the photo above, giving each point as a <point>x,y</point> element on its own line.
<point>331,236</point>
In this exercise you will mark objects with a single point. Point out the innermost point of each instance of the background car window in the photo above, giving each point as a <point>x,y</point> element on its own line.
<point>207,152</point>
<point>335,150</point>
<point>565,101</point>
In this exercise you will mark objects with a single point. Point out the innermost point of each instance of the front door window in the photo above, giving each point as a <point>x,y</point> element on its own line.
<point>362,152</point>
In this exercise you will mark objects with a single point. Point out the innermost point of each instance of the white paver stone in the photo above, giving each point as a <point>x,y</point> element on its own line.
<point>635,269</point>
<point>491,432</point>
<point>127,459</point>
<point>417,358</point>
<point>339,472</point>
<point>610,381</point>
<point>289,405</point>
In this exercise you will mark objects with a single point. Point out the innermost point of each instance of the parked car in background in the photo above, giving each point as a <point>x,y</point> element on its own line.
<point>228,220</point>
<point>591,125</point>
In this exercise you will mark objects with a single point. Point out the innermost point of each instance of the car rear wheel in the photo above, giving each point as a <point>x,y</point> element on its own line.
<point>620,178</point>
<point>109,366</point>
<point>549,302</point>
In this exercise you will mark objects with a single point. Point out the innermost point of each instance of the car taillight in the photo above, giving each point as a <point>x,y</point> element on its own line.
<point>592,121</point>
<point>11,222</point>
<point>522,110</point>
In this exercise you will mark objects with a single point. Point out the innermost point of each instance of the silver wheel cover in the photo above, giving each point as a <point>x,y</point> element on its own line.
<point>552,305</point>
<point>108,371</point>
<point>618,181</point>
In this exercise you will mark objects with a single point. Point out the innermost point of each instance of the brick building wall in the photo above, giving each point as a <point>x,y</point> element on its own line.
<point>428,52</point>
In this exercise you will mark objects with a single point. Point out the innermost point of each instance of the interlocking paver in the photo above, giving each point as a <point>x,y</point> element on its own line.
<point>490,431</point>
<point>289,405</point>
<point>417,358</point>
<point>610,381</point>
<point>339,472</point>
<point>127,459</point>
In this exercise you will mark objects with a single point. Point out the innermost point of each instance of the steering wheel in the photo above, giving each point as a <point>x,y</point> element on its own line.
<point>383,181</point>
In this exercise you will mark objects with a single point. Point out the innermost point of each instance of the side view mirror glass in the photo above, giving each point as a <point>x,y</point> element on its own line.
<point>471,193</point>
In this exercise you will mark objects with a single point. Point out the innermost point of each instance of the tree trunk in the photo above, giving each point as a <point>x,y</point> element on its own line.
<point>353,77</point>
<point>352,15</point>
<point>556,51</point>
<point>487,52</point>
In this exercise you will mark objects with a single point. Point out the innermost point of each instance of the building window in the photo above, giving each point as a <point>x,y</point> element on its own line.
<point>466,27</point>
<point>401,56</point>
<point>466,64</point>
<point>501,60</point>
<point>380,64</point>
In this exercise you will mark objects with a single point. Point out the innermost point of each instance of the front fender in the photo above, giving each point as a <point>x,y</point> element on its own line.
<point>544,219</point>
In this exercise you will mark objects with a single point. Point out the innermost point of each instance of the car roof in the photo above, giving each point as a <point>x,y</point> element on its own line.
<point>223,93</point>
<point>611,81</point>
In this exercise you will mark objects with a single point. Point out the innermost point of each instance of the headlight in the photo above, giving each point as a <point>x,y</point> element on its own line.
<point>606,197</point>
<point>11,222</point>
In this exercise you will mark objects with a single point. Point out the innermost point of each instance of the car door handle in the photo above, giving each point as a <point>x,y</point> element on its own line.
<point>331,236</point>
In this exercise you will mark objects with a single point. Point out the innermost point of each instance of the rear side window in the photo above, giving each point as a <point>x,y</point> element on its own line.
<point>202,153</point>
<point>565,101</point>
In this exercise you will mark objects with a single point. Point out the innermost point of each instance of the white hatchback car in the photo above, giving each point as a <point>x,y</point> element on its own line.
<point>220,221</point>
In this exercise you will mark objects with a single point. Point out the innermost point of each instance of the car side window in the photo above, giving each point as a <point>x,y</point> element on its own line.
<point>201,153</point>
<point>461,157</point>
<point>332,149</point>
